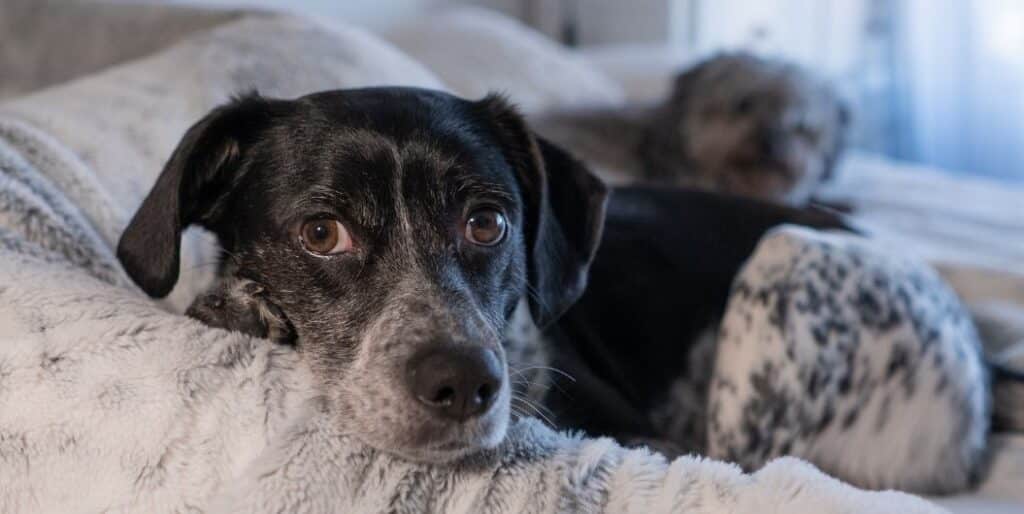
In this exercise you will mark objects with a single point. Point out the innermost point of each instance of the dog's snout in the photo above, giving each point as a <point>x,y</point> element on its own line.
<point>771,143</point>
<point>456,382</point>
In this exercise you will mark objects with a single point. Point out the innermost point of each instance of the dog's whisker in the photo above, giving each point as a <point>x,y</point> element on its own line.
<point>536,411</point>
<point>531,384</point>
<point>519,412</point>
<point>542,412</point>
<point>535,296</point>
<point>548,368</point>
<point>551,382</point>
<point>525,389</point>
<point>535,404</point>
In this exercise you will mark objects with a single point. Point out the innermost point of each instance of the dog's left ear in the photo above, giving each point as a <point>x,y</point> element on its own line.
<point>565,208</point>
<point>195,180</point>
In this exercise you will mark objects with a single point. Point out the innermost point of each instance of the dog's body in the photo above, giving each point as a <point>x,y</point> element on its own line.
<point>872,374</point>
<point>357,225</point>
<point>734,123</point>
<point>658,287</point>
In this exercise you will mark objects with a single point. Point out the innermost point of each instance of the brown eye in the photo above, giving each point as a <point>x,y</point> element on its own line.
<point>485,227</point>
<point>325,237</point>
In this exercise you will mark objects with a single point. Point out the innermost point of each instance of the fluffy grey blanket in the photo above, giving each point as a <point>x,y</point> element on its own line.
<point>111,402</point>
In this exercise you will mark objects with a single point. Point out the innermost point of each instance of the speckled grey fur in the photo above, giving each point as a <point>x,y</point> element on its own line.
<point>854,357</point>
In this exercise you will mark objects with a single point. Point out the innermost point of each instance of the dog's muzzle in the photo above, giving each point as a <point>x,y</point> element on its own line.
<point>455,382</point>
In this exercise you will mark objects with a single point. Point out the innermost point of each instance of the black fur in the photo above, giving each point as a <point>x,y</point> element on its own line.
<point>401,169</point>
<point>660,278</point>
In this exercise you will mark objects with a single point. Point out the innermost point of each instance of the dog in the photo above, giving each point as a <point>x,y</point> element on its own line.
<point>429,255</point>
<point>397,230</point>
<point>870,370</point>
<point>734,123</point>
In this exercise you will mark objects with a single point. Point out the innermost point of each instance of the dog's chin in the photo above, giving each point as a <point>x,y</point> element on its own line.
<point>456,441</point>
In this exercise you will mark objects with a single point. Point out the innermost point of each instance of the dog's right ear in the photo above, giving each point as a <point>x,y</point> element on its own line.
<point>194,180</point>
<point>565,207</point>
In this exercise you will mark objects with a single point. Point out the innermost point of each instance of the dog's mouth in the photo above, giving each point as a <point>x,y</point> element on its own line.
<point>440,441</point>
<point>402,426</point>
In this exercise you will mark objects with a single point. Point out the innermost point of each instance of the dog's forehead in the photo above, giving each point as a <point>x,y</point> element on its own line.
<point>395,111</point>
<point>365,148</point>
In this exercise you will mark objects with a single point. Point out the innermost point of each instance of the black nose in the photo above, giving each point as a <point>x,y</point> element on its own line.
<point>455,382</point>
<point>771,143</point>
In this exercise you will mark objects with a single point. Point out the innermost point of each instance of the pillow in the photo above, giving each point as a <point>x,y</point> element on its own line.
<point>644,71</point>
<point>50,41</point>
<point>475,51</point>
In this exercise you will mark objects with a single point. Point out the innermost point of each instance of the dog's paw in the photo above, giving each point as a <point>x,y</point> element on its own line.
<point>241,305</point>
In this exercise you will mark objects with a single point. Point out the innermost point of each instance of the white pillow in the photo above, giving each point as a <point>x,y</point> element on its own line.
<point>475,51</point>
<point>644,71</point>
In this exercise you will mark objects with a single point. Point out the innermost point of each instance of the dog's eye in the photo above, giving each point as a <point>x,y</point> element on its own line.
<point>325,237</point>
<point>485,227</point>
<point>744,106</point>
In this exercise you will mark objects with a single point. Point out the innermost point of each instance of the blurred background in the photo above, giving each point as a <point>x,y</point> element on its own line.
<point>937,82</point>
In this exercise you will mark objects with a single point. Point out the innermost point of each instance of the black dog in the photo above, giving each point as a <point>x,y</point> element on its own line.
<point>397,230</point>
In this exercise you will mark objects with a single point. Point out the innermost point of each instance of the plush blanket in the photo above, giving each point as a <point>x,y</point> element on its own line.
<point>110,401</point>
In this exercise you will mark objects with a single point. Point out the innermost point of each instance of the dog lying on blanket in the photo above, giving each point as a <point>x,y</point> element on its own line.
<point>391,234</point>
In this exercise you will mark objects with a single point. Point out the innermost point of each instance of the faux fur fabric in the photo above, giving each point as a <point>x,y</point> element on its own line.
<point>854,355</point>
<point>111,402</point>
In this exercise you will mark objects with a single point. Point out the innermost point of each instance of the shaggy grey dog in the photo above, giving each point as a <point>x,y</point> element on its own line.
<point>734,123</point>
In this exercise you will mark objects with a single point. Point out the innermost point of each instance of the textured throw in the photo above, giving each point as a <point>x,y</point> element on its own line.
<point>111,402</point>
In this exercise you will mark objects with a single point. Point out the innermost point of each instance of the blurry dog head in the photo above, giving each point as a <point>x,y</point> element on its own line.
<point>393,231</point>
<point>750,126</point>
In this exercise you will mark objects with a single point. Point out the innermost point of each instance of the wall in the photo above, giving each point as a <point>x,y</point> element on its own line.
<point>599,22</point>
<point>369,12</point>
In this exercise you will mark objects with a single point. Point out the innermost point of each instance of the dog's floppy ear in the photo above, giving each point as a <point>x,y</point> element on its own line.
<point>839,139</point>
<point>197,175</point>
<point>565,207</point>
<point>684,83</point>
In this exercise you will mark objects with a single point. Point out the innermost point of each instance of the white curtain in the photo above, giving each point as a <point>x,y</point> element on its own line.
<point>962,84</point>
<point>939,82</point>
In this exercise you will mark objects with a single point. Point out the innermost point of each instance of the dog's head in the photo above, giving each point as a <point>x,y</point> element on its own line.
<point>396,229</point>
<point>751,126</point>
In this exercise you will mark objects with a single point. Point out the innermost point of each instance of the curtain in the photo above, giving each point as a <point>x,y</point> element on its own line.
<point>958,69</point>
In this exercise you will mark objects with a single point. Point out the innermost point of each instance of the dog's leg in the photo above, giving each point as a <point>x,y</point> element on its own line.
<point>241,305</point>
<point>863,364</point>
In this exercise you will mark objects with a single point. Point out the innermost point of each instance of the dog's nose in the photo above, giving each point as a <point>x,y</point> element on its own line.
<point>455,382</point>
<point>770,144</point>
